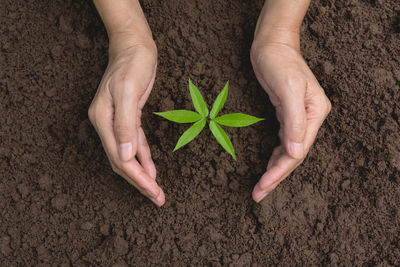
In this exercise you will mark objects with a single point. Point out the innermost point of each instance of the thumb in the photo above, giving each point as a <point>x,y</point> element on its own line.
<point>125,124</point>
<point>294,122</point>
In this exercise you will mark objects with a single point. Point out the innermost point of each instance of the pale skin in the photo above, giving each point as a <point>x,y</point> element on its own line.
<point>300,102</point>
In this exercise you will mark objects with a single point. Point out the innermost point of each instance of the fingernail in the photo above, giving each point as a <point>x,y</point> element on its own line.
<point>296,149</point>
<point>125,151</point>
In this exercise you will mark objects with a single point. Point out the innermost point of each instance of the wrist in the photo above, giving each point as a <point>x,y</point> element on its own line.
<point>279,22</point>
<point>273,34</point>
<point>122,41</point>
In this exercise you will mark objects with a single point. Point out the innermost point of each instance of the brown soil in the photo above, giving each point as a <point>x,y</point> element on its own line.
<point>61,204</point>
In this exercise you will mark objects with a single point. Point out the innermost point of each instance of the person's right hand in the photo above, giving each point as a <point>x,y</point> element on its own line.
<point>116,113</point>
<point>301,108</point>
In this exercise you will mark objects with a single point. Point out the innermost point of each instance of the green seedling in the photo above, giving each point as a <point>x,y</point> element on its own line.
<point>200,119</point>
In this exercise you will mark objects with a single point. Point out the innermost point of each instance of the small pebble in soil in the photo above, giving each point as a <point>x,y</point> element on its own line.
<point>396,74</point>
<point>23,190</point>
<point>82,41</point>
<point>381,166</point>
<point>5,245</point>
<point>56,51</point>
<point>45,182</point>
<point>105,229</point>
<point>202,251</point>
<point>86,226</point>
<point>328,67</point>
<point>121,245</point>
<point>345,184</point>
<point>51,92</point>
<point>65,25</point>
<point>59,202</point>
<point>220,178</point>
<point>167,104</point>
<point>234,185</point>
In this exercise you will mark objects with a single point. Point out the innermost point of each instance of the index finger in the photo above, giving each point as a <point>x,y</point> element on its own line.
<point>130,170</point>
<point>283,166</point>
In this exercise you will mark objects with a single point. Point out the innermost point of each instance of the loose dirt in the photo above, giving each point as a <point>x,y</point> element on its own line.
<point>61,204</point>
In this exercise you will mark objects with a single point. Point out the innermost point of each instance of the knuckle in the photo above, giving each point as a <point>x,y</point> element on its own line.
<point>325,107</point>
<point>123,83</point>
<point>149,50</point>
<point>328,106</point>
<point>298,125</point>
<point>140,173</point>
<point>125,86</point>
<point>295,81</point>
<point>124,168</point>
<point>291,86</point>
<point>138,118</point>
<point>92,113</point>
<point>254,56</point>
<point>122,129</point>
<point>257,53</point>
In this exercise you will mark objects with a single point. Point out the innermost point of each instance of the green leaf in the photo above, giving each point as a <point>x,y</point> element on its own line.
<point>237,120</point>
<point>222,138</point>
<point>180,116</point>
<point>219,101</point>
<point>198,100</point>
<point>190,133</point>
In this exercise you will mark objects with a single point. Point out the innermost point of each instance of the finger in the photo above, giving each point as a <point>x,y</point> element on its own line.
<point>146,94</point>
<point>159,199</point>
<point>144,155</point>
<point>138,174</point>
<point>294,118</point>
<point>269,182</point>
<point>125,120</point>
<point>281,169</point>
<point>278,151</point>
<point>281,165</point>
<point>102,120</point>
<point>317,111</point>
<point>131,170</point>
<point>130,99</point>
<point>283,177</point>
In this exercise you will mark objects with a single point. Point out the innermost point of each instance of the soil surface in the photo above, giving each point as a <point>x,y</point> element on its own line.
<point>61,204</point>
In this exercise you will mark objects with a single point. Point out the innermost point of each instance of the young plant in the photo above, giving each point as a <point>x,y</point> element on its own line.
<point>200,119</point>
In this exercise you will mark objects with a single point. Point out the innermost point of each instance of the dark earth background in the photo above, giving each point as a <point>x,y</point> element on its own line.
<point>61,204</point>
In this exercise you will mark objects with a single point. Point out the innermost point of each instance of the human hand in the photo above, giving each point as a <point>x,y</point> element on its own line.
<point>116,112</point>
<point>301,107</point>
